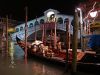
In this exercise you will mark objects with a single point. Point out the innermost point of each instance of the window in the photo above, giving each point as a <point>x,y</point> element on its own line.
<point>21,28</point>
<point>41,21</point>
<point>36,23</point>
<point>60,20</point>
<point>65,20</point>
<point>17,29</point>
<point>31,25</point>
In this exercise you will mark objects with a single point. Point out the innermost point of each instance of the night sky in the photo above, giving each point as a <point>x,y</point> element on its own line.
<point>15,9</point>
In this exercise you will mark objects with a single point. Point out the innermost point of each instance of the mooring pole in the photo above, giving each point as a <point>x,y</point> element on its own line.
<point>67,43</point>
<point>26,34</point>
<point>35,30</point>
<point>75,40</point>
<point>7,34</point>
<point>55,35</point>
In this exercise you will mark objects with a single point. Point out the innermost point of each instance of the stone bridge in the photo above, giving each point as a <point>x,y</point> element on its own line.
<point>21,34</point>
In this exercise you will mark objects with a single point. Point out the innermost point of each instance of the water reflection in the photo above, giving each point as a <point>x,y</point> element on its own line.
<point>11,53</point>
<point>12,63</point>
<point>15,65</point>
<point>32,67</point>
<point>42,69</point>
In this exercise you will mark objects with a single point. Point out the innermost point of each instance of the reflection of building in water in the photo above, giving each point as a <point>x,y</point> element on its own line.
<point>11,53</point>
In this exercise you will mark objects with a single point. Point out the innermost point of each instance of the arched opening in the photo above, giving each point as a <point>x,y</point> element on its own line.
<point>60,21</point>
<point>42,21</point>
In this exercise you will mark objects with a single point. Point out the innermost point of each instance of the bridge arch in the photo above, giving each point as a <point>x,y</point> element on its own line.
<point>36,23</point>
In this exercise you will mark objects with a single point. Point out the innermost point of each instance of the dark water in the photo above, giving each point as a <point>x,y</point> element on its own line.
<point>32,67</point>
<point>16,65</point>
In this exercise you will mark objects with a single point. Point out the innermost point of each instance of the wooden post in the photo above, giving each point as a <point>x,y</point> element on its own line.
<point>26,35</point>
<point>35,30</point>
<point>67,43</point>
<point>43,26</point>
<point>75,40</point>
<point>55,34</point>
<point>7,34</point>
<point>43,33</point>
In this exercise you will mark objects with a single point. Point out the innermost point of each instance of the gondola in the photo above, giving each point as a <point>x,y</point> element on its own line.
<point>85,60</point>
<point>42,51</point>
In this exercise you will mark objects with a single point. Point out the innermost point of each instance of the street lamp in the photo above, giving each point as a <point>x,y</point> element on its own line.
<point>93,14</point>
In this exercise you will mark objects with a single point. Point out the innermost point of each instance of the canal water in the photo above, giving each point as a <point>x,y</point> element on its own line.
<point>14,64</point>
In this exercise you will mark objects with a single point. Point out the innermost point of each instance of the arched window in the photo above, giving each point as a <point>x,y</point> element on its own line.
<point>65,20</point>
<point>31,25</point>
<point>21,28</point>
<point>36,23</point>
<point>41,21</point>
<point>60,20</point>
<point>17,29</point>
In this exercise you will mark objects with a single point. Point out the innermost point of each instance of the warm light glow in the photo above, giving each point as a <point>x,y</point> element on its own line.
<point>50,13</point>
<point>93,14</point>
<point>78,9</point>
<point>11,30</point>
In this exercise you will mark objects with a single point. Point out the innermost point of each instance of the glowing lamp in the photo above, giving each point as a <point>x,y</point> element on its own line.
<point>93,14</point>
<point>50,13</point>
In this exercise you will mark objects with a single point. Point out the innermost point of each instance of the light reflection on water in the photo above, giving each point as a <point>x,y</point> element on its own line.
<point>14,64</point>
<point>31,68</point>
<point>43,69</point>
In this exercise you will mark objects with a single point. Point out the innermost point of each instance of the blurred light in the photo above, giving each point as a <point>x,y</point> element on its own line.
<point>50,13</point>
<point>93,14</point>
<point>78,9</point>
<point>11,30</point>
